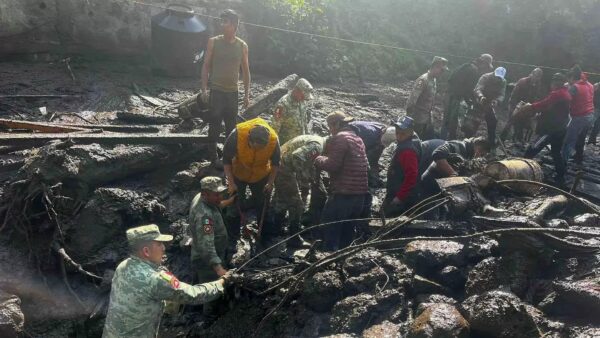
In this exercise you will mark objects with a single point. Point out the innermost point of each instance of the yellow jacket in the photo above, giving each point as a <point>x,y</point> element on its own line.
<point>251,165</point>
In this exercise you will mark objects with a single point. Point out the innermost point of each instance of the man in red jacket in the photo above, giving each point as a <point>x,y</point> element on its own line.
<point>582,114</point>
<point>345,159</point>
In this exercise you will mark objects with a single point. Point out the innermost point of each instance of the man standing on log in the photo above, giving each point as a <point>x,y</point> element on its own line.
<point>209,237</point>
<point>403,172</point>
<point>422,98</point>
<point>290,118</point>
<point>460,88</point>
<point>489,92</point>
<point>140,287</point>
<point>251,157</point>
<point>297,170</point>
<point>345,160</point>
<point>225,54</point>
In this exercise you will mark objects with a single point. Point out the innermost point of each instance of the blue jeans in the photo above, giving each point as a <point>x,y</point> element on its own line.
<point>338,208</point>
<point>576,133</point>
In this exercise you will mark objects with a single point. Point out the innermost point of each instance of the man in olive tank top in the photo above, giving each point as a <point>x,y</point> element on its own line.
<point>225,55</point>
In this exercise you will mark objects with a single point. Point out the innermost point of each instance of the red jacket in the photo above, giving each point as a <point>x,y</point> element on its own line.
<point>583,99</point>
<point>345,159</point>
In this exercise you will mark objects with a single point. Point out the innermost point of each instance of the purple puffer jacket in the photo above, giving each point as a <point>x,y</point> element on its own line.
<point>346,162</point>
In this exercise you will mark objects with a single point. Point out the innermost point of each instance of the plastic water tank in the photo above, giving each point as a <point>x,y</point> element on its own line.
<point>179,39</point>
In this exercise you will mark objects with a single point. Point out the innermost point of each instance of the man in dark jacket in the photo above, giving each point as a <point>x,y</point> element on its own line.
<point>460,88</point>
<point>489,92</point>
<point>376,137</point>
<point>451,152</point>
<point>345,160</point>
<point>403,172</point>
<point>552,123</point>
<point>528,90</point>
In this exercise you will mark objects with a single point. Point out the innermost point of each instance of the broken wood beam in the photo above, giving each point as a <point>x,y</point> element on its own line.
<point>264,102</point>
<point>102,138</point>
<point>39,126</point>
<point>40,96</point>
<point>146,118</point>
<point>116,127</point>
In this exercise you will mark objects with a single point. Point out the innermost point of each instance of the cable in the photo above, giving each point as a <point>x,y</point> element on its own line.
<point>371,44</point>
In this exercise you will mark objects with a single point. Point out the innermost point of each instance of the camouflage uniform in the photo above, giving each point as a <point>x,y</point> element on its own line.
<point>296,168</point>
<point>291,118</point>
<point>209,242</point>
<point>140,289</point>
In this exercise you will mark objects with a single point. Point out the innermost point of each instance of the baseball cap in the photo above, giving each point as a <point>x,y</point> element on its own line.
<point>405,122</point>
<point>306,88</point>
<point>212,183</point>
<point>500,72</point>
<point>148,232</point>
<point>338,116</point>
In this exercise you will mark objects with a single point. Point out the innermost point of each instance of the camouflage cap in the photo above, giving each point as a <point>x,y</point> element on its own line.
<point>439,60</point>
<point>148,232</point>
<point>306,88</point>
<point>212,183</point>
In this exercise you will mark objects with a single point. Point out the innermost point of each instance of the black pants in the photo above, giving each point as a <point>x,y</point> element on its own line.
<point>373,156</point>
<point>487,113</point>
<point>555,140</point>
<point>450,124</point>
<point>595,128</point>
<point>255,202</point>
<point>338,208</point>
<point>223,108</point>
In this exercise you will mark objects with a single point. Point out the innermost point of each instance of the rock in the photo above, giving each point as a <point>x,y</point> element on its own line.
<point>99,229</point>
<point>584,332</point>
<point>439,321</point>
<point>587,220</point>
<point>422,285</point>
<point>579,299</point>
<point>352,314</point>
<point>425,301</point>
<point>513,271</point>
<point>452,277</point>
<point>189,180</point>
<point>383,330</point>
<point>499,314</point>
<point>11,316</point>
<point>368,282</point>
<point>361,262</point>
<point>322,291</point>
<point>480,248</point>
<point>426,255</point>
<point>557,223</point>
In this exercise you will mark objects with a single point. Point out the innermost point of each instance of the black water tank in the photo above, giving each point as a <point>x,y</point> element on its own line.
<point>178,41</point>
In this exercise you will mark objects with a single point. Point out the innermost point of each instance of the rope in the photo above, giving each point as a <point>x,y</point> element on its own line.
<point>365,43</point>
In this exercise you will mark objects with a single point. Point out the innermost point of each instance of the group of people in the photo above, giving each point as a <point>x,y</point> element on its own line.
<point>277,170</point>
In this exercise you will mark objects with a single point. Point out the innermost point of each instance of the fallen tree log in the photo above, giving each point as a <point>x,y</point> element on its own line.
<point>146,118</point>
<point>265,101</point>
<point>116,128</point>
<point>101,138</point>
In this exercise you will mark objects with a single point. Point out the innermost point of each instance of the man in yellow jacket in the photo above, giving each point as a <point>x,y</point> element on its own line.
<point>251,158</point>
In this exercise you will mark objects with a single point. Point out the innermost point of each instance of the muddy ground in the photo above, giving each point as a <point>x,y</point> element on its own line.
<point>81,198</point>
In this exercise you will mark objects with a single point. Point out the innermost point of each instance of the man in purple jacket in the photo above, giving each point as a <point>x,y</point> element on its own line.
<point>345,159</point>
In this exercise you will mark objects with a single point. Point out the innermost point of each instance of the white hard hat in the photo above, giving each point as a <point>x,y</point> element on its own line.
<point>389,136</point>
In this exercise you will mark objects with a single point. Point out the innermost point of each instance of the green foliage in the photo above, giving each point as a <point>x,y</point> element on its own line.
<point>548,32</point>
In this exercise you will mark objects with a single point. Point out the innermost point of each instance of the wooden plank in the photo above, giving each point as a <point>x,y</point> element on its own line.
<point>39,126</point>
<point>101,138</point>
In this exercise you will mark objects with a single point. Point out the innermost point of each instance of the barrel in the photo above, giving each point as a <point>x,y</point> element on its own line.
<point>519,169</point>
<point>179,39</point>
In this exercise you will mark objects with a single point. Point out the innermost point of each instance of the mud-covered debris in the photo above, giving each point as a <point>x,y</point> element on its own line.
<point>512,271</point>
<point>322,291</point>
<point>385,329</point>
<point>189,179</point>
<point>574,298</point>
<point>426,255</point>
<point>361,262</point>
<point>370,282</point>
<point>452,277</point>
<point>587,220</point>
<point>439,321</point>
<point>353,314</point>
<point>557,223</point>
<point>422,285</point>
<point>11,316</point>
<point>424,301</point>
<point>480,248</point>
<point>499,314</point>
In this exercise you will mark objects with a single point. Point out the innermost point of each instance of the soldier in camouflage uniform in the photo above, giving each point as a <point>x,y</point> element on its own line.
<point>209,236</point>
<point>297,170</point>
<point>290,118</point>
<point>140,287</point>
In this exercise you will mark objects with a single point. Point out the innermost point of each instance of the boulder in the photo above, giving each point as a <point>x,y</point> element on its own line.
<point>499,314</point>
<point>424,256</point>
<point>587,220</point>
<point>578,299</point>
<point>513,271</point>
<point>368,282</point>
<point>11,316</point>
<point>439,321</point>
<point>322,291</point>
<point>361,262</point>
<point>424,301</point>
<point>480,248</point>
<point>383,330</point>
<point>452,277</point>
<point>353,314</point>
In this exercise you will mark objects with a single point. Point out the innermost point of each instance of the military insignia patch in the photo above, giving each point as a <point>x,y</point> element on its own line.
<point>207,225</point>
<point>170,278</point>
